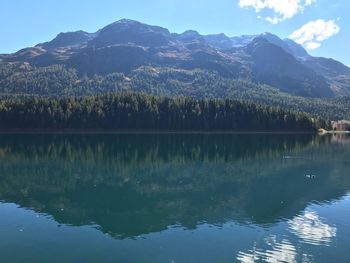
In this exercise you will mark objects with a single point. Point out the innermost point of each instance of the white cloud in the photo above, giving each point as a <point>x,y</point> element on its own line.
<point>282,9</point>
<point>312,45</point>
<point>315,32</point>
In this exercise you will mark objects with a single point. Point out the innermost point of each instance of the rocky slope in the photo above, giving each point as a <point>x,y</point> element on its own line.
<point>127,45</point>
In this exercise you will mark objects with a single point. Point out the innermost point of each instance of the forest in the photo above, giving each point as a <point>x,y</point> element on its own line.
<point>142,112</point>
<point>22,79</point>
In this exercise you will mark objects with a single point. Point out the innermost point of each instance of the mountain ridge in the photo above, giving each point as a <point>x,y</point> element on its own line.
<point>126,45</point>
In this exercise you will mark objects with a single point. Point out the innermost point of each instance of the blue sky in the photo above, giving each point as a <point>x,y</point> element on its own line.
<point>326,23</point>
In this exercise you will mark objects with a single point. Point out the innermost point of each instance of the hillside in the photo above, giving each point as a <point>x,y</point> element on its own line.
<point>130,56</point>
<point>23,79</point>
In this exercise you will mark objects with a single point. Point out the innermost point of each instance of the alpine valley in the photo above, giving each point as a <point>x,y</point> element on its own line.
<point>131,56</point>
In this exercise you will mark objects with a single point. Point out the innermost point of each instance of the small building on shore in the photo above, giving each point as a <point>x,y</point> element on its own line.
<point>342,125</point>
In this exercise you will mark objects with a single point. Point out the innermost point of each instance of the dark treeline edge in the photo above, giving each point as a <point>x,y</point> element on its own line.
<point>138,111</point>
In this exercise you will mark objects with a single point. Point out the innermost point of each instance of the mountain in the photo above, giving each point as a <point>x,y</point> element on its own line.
<point>70,39</point>
<point>274,66</point>
<point>128,31</point>
<point>220,41</point>
<point>128,45</point>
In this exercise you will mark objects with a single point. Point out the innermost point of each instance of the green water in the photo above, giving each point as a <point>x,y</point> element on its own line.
<point>174,198</point>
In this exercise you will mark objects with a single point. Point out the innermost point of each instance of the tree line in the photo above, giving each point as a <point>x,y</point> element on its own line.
<point>136,111</point>
<point>58,81</point>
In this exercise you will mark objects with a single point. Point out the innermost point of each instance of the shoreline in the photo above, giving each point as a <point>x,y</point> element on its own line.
<point>335,132</point>
<point>94,131</point>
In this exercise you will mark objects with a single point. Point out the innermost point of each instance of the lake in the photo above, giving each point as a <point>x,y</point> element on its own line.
<point>174,198</point>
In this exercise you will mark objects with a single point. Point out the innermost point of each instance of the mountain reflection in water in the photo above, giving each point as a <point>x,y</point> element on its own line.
<point>129,186</point>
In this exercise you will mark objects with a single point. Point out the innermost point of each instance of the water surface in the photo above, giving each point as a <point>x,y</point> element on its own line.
<point>174,198</point>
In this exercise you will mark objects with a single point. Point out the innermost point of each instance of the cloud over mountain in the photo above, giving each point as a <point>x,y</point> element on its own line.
<point>315,32</point>
<point>282,9</point>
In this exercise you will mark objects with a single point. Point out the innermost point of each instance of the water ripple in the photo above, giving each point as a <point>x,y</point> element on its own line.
<point>282,251</point>
<point>311,230</point>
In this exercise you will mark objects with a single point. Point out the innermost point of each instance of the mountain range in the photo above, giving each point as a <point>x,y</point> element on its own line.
<point>175,64</point>
<point>127,45</point>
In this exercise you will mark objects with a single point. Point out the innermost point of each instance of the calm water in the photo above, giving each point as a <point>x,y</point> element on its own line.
<point>174,198</point>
